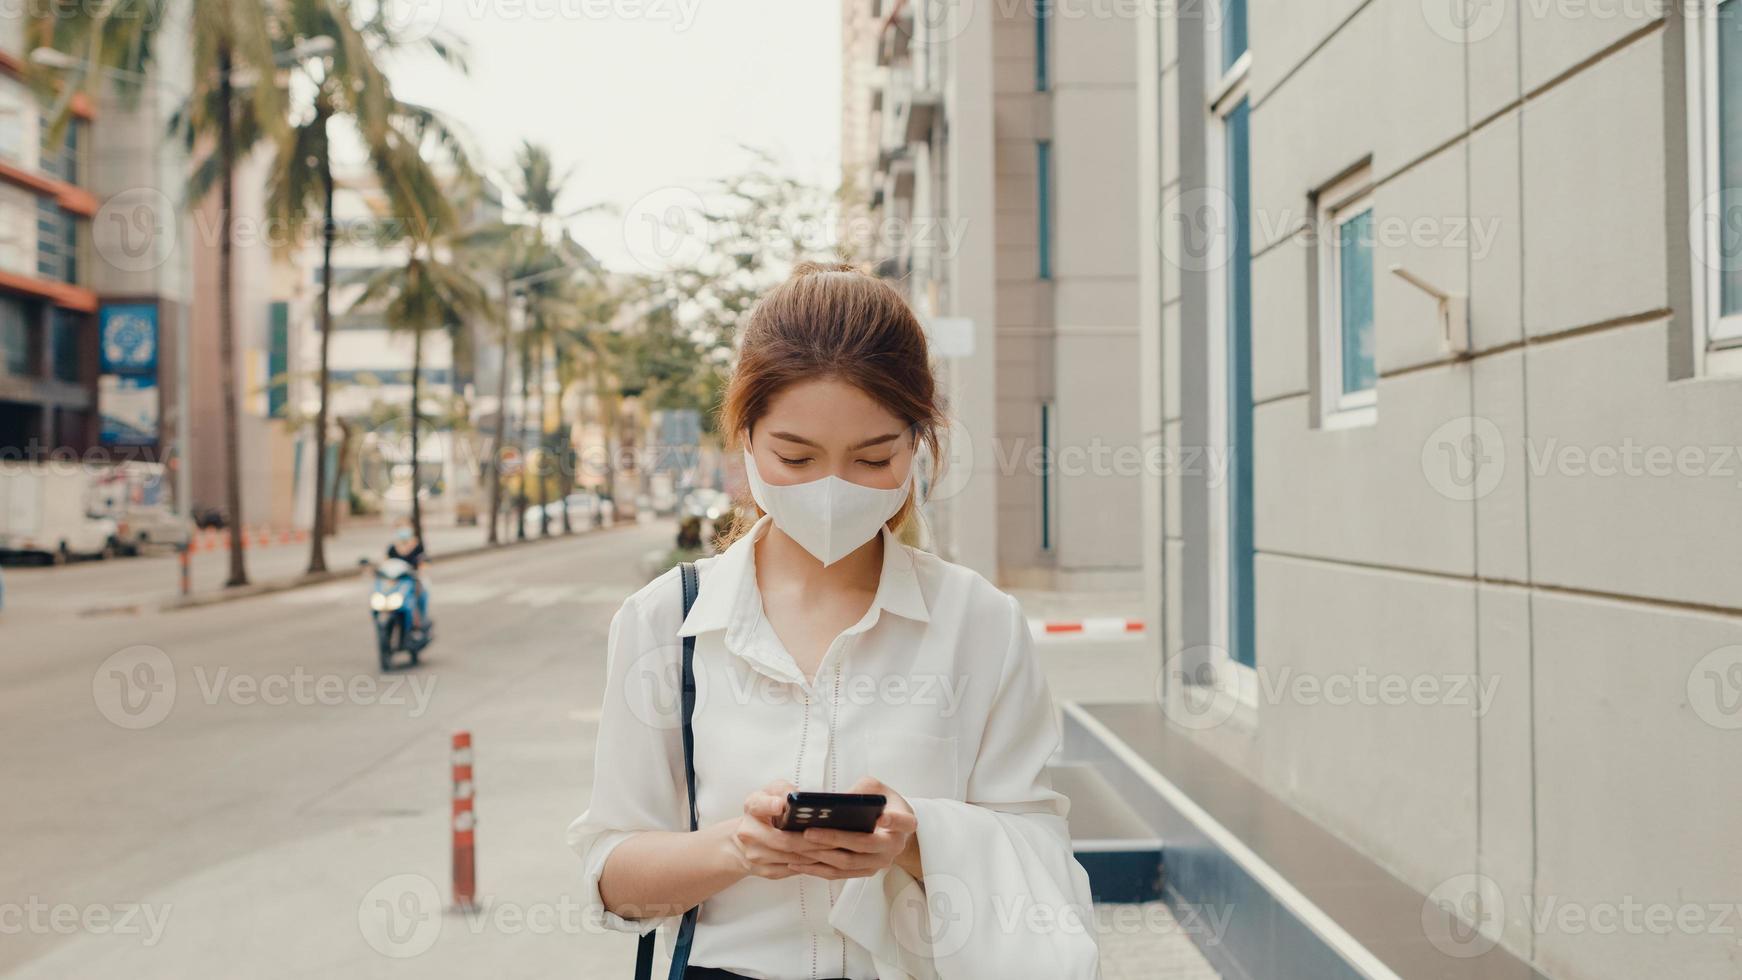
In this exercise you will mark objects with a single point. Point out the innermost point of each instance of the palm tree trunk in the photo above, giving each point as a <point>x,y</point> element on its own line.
<point>525,456</point>
<point>543,450</point>
<point>317,557</point>
<point>416,377</point>
<point>227,322</point>
<point>501,415</point>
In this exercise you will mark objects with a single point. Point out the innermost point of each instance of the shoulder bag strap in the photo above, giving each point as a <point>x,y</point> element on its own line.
<point>680,956</point>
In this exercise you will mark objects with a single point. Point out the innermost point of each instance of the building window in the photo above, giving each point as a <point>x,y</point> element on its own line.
<point>1715,104</point>
<point>66,347</point>
<point>15,331</point>
<point>1043,205</point>
<point>1234,544</point>
<point>12,109</point>
<point>1046,475</point>
<point>57,242</point>
<point>60,161</point>
<point>1233,32</point>
<point>1042,26</point>
<point>1348,376</point>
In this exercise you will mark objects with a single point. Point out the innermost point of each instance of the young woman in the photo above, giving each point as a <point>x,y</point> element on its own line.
<point>830,656</point>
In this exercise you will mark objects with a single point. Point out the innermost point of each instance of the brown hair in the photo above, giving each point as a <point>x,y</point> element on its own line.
<point>832,321</point>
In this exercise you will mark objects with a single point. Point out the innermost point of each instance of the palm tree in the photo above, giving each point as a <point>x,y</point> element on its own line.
<point>347,83</point>
<point>232,48</point>
<point>429,292</point>
<point>505,251</point>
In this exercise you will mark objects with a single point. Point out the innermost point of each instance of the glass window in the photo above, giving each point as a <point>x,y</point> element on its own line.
<point>66,347</point>
<point>1233,32</point>
<point>1242,608</point>
<point>1729,26</point>
<point>1042,23</point>
<point>1355,295</point>
<point>1043,189</point>
<point>15,320</point>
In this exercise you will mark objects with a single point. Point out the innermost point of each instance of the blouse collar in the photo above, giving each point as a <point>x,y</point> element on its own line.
<point>732,601</point>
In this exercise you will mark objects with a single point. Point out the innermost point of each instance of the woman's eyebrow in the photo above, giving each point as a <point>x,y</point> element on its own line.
<point>801,440</point>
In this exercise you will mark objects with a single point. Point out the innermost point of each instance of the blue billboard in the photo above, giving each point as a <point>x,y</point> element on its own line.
<point>127,334</point>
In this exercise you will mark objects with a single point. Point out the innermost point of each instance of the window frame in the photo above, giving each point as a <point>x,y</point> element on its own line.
<point>1229,88</point>
<point>1339,204</point>
<point>1718,338</point>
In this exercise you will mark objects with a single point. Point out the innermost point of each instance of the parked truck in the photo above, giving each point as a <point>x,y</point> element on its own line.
<point>47,512</point>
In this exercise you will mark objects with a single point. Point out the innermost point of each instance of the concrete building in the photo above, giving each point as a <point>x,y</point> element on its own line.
<point>1437,363</point>
<point>1002,193</point>
<point>48,309</point>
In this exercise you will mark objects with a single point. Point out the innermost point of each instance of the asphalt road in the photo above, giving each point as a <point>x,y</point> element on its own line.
<point>236,789</point>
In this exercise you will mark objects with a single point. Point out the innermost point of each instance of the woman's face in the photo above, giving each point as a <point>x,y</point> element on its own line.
<point>827,427</point>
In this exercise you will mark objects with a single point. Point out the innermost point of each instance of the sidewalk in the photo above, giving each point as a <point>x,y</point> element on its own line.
<point>151,582</point>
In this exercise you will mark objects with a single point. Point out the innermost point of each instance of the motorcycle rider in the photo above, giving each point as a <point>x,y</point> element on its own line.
<point>407,546</point>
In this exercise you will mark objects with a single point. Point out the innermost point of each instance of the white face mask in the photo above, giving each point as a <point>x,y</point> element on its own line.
<point>830,517</point>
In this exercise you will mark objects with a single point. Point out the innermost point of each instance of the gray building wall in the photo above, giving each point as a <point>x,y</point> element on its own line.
<point>1599,607</point>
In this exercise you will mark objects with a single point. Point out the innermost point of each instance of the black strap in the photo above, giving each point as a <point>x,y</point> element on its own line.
<point>680,956</point>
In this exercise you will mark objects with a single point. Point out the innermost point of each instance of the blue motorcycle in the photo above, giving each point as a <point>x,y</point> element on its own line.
<point>394,603</point>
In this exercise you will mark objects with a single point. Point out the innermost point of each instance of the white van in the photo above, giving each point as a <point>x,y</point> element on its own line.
<point>45,512</point>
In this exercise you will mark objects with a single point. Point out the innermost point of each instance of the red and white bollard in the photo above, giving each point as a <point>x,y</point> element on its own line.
<point>465,871</point>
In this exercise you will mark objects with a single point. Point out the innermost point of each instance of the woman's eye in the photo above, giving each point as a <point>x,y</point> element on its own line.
<point>877,463</point>
<point>792,462</point>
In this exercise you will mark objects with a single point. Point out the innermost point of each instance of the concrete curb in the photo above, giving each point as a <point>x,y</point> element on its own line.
<point>331,575</point>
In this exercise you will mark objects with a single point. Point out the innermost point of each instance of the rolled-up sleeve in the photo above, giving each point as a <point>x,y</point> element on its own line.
<point>1002,895</point>
<point>638,760</point>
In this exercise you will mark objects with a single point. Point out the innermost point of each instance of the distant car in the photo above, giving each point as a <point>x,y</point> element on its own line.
<point>151,527</point>
<point>584,509</point>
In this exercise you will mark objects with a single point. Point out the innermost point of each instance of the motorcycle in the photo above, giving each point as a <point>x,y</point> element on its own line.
<point>393,606</point>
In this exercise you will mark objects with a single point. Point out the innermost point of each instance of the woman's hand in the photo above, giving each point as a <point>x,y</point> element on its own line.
<point>848,854</point>
<point>755,847</point>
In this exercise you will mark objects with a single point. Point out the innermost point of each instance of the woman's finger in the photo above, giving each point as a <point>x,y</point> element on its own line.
<point>875,842</point>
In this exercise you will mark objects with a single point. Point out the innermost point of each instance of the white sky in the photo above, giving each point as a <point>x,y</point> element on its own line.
<point>639,97</point>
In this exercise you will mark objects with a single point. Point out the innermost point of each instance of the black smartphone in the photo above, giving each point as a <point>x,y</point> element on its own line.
<point>857,812</point>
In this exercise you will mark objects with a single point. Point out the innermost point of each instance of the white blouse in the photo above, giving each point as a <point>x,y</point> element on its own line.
<point>935,691</point>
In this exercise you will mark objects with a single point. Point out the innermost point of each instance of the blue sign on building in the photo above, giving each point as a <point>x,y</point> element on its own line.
<point>128,337</point>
